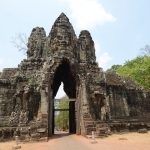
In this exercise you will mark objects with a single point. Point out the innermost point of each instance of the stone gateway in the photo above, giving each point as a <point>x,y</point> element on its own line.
<point>102,102</point>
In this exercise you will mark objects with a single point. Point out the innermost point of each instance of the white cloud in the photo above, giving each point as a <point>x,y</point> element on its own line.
<point>103,59</point>
<point>1,61</point>
<point>88,13</point>
<point>97,47</point>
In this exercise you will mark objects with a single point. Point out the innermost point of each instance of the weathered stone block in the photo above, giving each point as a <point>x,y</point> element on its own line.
<point>41,130</point>
<point>35,136</point>
<point>44,115</point>
<point>143,130</point>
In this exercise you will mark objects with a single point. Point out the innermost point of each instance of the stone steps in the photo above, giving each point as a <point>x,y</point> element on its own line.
<point>100,127</point>
<point>99,122</point>
<point>89,130</point>
<point>90,125</point>
<point>104,128</point>
<point>88,119</point>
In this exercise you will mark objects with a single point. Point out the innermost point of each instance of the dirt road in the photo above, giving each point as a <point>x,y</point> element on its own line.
<point>64,141</point>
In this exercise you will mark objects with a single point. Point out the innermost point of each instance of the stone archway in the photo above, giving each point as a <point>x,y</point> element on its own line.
<point>27,92</point>
<point>63,74</point>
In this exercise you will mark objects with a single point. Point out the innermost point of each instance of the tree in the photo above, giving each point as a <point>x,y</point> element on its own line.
<point>138,70</point>
<point>20,42</point>
<point>62,117</point>
<point>113,69</point>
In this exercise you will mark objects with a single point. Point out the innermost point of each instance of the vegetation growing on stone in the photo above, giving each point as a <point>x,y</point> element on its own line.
<point>32,82</point>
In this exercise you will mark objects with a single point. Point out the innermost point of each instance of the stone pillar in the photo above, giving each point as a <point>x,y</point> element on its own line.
<point>44,110</point>
<point>111,102</point>
<point>84,104</point>
<point>84,94</point>
<point>50,114</point>
<point>108,107</point>
<point>25,101</point>
<point>47,109</point>
<point>44,102</point>
<point>0,104</point>
<point>78,132</point>
<point>126,109</point>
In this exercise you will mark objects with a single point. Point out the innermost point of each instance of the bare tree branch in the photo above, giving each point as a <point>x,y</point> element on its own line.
<point>145,50</point>
<point>20,42</point>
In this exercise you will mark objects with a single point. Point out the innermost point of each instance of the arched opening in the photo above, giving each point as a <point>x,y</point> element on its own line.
<point>63,74</point>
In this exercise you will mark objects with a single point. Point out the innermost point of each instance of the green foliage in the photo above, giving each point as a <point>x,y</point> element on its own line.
<point>32,82</point>
<point>113,69</point>
<point>138,70</point>
<point>62,117</point>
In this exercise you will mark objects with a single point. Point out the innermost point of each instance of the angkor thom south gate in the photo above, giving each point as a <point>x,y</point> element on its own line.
<point>27,93</point>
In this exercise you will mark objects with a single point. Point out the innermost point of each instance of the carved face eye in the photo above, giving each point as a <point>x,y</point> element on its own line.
<point>59,37</point>
<point>82,38</point>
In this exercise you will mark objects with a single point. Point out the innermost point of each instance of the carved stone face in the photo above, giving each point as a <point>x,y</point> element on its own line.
<point>31,48</point>
<point>61,41</point>
<point>84,41</point>
<point>36,40</point>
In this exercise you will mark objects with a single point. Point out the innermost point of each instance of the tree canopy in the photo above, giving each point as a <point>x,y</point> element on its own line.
<point>137,69</point>
<point>113,69</point>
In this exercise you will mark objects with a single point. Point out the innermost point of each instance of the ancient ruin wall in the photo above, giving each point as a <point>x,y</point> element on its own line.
<point>25,92</point>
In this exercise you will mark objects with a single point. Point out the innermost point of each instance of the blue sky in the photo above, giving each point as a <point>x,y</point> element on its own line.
<point>119,28</point>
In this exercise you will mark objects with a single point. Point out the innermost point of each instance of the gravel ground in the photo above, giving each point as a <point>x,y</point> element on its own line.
<point>64,141</point>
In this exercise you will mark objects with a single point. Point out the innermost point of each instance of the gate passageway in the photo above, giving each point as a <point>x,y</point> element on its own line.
<point>63,74</point>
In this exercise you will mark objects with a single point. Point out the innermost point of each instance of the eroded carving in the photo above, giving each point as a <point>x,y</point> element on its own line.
<point>36,43</point>
<point>86,44</point>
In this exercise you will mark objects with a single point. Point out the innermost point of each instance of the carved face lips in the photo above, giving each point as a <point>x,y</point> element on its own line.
<point>63,43</point>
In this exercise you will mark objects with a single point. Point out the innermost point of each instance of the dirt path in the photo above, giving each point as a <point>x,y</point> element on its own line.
<point>63,141</point>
